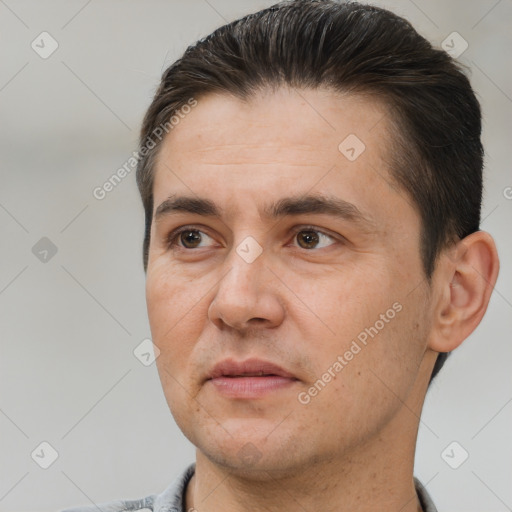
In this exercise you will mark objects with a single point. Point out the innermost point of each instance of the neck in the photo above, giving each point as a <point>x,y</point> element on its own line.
<point>379,477</point>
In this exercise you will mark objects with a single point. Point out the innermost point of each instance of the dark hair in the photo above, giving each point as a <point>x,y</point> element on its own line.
<point>435,120</point>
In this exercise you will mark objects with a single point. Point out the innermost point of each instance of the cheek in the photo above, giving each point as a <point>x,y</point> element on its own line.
<point>391,348</point>
<point>171,317</point>
<point>180,400</point>
<point>176,314</point>
<point>343,303</point>
<point>171,302</point>
<point>372,379</point>
<point>372,326</point>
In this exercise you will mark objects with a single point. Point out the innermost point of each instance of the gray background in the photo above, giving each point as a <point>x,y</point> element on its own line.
<point>69,325</point>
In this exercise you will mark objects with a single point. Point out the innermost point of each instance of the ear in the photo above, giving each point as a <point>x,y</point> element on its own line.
<point>466,275</point>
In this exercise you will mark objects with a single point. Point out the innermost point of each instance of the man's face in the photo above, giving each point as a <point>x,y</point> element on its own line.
<point>326,288</point>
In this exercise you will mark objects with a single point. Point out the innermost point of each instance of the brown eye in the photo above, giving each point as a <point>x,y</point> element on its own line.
<point>309,238</point>
<point>191,237</point>
<point>186,238</point>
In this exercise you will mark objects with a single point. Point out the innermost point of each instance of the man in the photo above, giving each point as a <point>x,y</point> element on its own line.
<point>312,177</point>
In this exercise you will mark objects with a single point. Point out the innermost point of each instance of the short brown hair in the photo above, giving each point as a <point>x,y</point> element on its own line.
<point>347,47</point>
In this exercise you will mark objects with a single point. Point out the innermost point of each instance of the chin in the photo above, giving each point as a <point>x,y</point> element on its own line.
<point>250,463</point>
<point>251,448</point>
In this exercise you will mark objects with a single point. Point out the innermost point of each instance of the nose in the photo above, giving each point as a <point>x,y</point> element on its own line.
<point>247,296</point>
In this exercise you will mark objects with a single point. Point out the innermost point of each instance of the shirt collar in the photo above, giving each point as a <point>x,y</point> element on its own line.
<point>173,498</point>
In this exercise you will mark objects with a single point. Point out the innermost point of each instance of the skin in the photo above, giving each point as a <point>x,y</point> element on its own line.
<point>351,448</point>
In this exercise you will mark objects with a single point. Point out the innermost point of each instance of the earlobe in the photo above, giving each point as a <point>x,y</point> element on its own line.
<point>466,279</point>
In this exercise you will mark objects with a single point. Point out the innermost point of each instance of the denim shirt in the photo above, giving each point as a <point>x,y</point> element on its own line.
<point>172,499</point>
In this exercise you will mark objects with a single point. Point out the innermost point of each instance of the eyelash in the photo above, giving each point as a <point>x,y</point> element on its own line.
<point>172,237</point>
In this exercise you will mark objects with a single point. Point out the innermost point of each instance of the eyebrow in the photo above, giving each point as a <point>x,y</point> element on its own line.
<point>287,206</point>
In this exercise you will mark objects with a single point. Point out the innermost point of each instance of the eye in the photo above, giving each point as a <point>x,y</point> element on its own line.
<point>309,237</point>
<point>186,237</point>
<point>190,238</point>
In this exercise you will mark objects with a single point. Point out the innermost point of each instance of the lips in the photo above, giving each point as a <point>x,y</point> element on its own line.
<point>249,380</point>
<point>248,368</point>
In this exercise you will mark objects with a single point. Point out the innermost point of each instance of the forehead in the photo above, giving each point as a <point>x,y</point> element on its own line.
<point>275,144</point>
<point>310,121</point>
